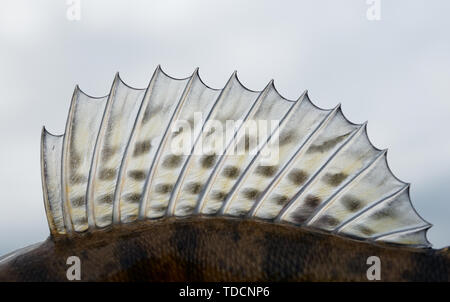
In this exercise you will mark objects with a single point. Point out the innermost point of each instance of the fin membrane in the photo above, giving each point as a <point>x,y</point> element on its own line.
<point>180,148</point>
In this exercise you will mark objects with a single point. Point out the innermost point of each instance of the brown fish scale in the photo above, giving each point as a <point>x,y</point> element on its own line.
<point>221,249</point>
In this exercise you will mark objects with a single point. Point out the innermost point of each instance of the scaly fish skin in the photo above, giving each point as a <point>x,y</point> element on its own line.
<point>220,249</point>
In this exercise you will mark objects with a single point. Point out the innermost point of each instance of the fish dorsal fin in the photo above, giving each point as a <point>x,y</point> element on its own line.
<point>181,148</point>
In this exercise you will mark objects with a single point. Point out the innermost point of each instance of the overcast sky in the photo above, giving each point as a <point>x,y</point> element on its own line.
<point>394,72</point>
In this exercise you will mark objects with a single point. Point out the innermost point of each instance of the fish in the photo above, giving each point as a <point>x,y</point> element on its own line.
<point>183,182</point>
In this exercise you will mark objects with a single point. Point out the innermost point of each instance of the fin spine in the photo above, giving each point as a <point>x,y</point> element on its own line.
<point>47,206</point>
<point>67,207</point>
<point>90,203</point>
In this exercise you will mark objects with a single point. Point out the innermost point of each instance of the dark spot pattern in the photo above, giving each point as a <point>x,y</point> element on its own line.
<point>137,174</point>
<point>108,152</point>
<point>251,194</point>
<point>78,201</point>
<point>312,201</point>
<point>334,179</point>
<point>208,161</point>
<point>107,198</point>
<point>300,215</point>
<point>365,230</point>
<point>286,137</point>
<point>231,172</point>
<point>172,161</point>
<point>219,195</point>
<point>194,187</point>
<point>384,213</point>
<point>107,174</point>
<point>164,188</point>
<point>327,145</point>
<point>141,148</point>
<point>281,200</point>
<point>351,203</point>
<point>133,197</point>
<point>266,171</point>
<point>297,176</point>
<point>328,220</point>
<point>151,111</point>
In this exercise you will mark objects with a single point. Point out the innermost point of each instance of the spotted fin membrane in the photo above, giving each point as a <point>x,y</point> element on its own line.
<point>180,148</point>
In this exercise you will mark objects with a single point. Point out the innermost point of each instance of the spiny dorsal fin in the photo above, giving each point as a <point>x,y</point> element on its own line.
<point>123,157</point>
